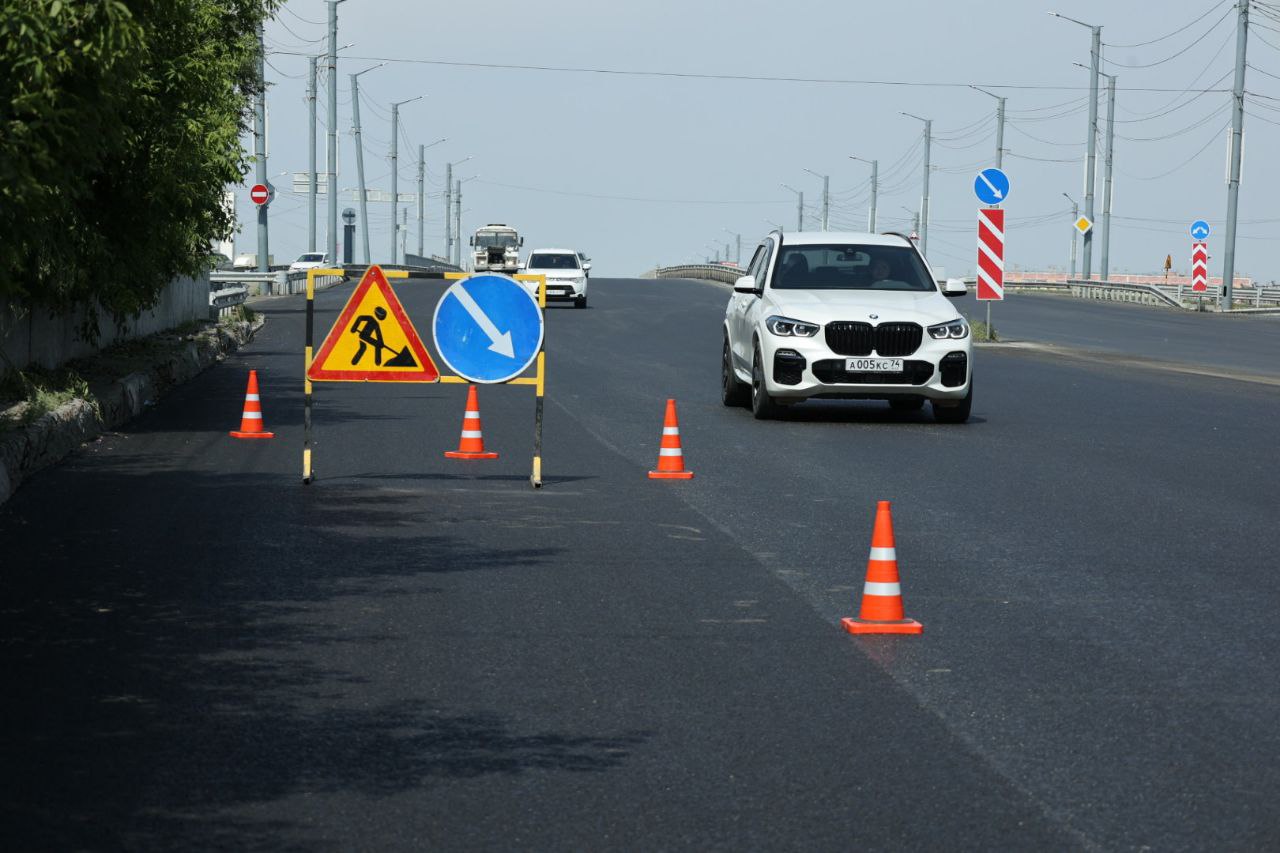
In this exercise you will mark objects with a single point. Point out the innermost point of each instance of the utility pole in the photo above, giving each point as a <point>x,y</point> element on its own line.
<point>738,253</point>
<point>799,205</point>
<point>395,169</point>
<point>924,198</point>
<point>332,171</point>
<point>364,193</point>
<point>1075,232</point>
<point>1000,101</point>
<point>311,151</point>
<point>875,190</point>
<point>448,211</point>
<point>1091,159</point>
<point>260,150</point>
<point>404,232</point>
<point>1236,154</point>
<point>1105,268</point>
<point>826,196</point>
<point>457,222</point>
<point>421,192</point>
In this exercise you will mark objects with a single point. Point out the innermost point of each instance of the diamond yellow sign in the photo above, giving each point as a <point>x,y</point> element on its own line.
<point>1083,224</point>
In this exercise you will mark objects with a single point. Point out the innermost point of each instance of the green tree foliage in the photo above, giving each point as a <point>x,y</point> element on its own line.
<point>120,126</point>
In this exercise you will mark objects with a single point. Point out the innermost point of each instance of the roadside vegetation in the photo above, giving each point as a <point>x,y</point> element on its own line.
<point>981,331</point>
<point>120,127</point>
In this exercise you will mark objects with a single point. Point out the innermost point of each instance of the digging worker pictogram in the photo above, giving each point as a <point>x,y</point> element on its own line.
<point>368,328</point>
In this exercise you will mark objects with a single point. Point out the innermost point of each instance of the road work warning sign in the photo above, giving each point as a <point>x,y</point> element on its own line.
<point>373,340</point>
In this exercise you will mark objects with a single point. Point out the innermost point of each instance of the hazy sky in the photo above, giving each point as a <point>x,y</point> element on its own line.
<point>641,170</point>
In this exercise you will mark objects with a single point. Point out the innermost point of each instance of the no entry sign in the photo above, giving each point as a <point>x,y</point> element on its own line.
<point>260,194</point>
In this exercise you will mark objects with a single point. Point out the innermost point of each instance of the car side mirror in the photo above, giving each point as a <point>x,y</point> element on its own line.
<point>954,287</point>
<point>520,242</point>
<point>587,267</point>
<point>745,284</point>
<point>471,241</point>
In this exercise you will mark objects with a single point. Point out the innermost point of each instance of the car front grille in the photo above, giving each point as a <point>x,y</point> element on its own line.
<point>892,340</point>
<point>830,371</point>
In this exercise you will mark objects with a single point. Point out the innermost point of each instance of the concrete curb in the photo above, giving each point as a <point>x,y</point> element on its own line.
<point>57,434</point>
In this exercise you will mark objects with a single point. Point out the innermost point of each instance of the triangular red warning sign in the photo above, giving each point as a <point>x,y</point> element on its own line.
<point>373,340</point>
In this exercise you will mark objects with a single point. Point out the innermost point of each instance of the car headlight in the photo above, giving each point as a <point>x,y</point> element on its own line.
<point>954,329</point>
<point>785,327</point>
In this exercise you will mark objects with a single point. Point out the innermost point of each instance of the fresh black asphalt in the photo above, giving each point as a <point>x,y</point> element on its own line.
<point>416,653</point>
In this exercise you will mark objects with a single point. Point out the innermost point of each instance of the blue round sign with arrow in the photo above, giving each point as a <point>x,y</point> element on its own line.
<point>1199,230</point>
<point>488,328</point>
<point>991,186</point>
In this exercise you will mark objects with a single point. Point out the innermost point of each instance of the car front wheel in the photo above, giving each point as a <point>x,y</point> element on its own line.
<point>954,414</point>
<point>733,392</point>
<point>762,405</point>
<point>580,301</point>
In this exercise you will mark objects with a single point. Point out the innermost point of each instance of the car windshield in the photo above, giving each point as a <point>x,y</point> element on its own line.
<point>850,267</point>
<point>310,257</point>
<point>490,240</point>
<point>553,262</point>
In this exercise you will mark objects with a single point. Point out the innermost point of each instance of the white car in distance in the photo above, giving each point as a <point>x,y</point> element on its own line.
<point>566,274</point>
<point>310,260</point>
<point>845,316</point>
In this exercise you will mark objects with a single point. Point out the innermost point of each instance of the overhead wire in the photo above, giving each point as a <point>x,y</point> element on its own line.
<point>1185,162</point>
<point>1178,31</point>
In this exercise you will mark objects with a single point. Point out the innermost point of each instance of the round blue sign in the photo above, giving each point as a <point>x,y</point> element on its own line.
<point>1199,230</point>
<point>991,186</point>
<point>488,328</point>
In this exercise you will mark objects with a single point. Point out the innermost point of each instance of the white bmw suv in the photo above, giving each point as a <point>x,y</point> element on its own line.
<point>845,316</point>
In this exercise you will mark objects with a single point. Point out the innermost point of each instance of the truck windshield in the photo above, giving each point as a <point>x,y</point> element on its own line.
<point>850,267</point>
<point>553,262</point>
<point>495,241</point>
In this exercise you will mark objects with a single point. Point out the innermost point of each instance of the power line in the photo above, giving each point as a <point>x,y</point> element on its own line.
<point>626,198</point>
<point>1179,30</point>
<point>621,72</point>
<point>1177,54</point>
<point>1203,148</point>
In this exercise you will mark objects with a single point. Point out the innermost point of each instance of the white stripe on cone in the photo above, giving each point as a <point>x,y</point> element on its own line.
<point>875,588</point>
<point>671,430</point>
<point>472,433</point>
<point>669,451</point>
<point>253,397</point>
<point>253,416</point>
<point>884,554</point>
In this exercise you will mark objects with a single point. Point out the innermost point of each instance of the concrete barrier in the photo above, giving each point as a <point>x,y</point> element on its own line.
<point>38,338</point>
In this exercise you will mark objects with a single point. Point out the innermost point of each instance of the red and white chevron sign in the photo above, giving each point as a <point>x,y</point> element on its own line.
<point>990,254</point>
<point>1199,267</point>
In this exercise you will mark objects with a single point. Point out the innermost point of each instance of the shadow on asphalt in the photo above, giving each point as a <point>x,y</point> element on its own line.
<point>159,691</point>
<point>855,412</point>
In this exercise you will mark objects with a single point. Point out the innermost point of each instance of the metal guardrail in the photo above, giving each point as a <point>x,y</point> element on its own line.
<point>1251,300</point>
<point>702,272</point>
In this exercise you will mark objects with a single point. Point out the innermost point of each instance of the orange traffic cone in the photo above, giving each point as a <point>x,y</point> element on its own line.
<point>670,456</point>
<point>251,419</point>
<point>882,595</point>
<point>471,445</point>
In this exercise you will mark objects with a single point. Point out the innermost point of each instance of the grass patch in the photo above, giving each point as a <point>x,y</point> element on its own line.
<point>31,394</point>
<point>243,313</point>
<point>983,332</point>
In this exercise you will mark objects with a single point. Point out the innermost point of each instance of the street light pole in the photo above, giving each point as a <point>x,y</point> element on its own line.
<point>448,206</point>
<point>999,123</point>
<point>260,151</point>
<point>826,196</point>
<point>1075,216</point>
<point>1091,159</point>
<point>1236,154</point>
<point>738,253</point>
<point>331,61</point>
<point>875,190</point>
<point>360,187</point>
<point>1107,186</point>
<point>924,200</point>
<point>395,169</point>
<point>799,206</point>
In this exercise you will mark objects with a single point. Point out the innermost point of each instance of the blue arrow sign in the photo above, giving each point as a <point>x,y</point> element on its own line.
<point>991,186</point>
<point>1199,230</point>
<point>488,328</point>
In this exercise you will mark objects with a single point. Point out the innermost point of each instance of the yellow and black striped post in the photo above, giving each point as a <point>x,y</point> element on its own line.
<point>540,388</point>
<point>307,474</point>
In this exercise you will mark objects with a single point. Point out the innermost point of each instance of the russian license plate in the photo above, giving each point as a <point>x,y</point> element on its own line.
<point>873,365</point>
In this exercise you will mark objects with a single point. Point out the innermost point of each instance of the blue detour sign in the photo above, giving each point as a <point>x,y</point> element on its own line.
<point>991,186</point>
<point>488,328</point>
<point>1199,230</point>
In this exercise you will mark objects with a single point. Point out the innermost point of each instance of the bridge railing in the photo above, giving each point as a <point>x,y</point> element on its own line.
<point>1256,298</point>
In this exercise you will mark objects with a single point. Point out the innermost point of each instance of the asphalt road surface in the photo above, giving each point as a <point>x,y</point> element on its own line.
<point>418,653</point>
